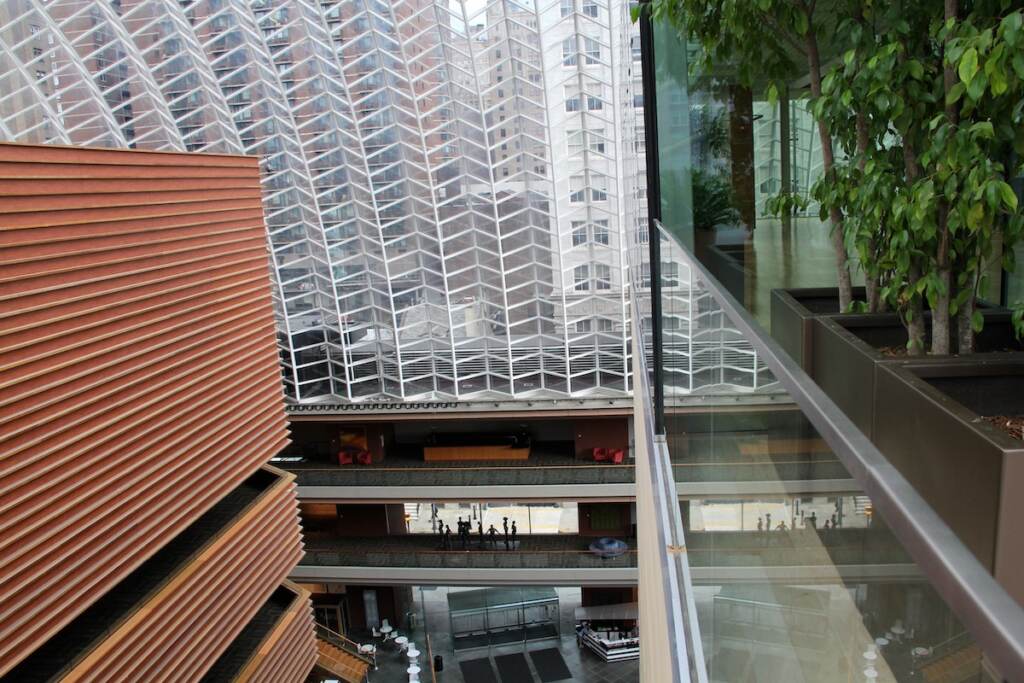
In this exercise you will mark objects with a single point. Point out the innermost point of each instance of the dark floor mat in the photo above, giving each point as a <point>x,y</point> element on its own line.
<point>550,665</point>
<point>513,668</point>
<point>478,670</point>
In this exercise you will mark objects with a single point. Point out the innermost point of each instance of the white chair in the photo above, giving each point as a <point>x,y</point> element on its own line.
<point>384,624</point>
<point>375,632</point>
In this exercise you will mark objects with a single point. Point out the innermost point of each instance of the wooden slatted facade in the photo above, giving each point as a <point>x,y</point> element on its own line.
<point>139,384</point>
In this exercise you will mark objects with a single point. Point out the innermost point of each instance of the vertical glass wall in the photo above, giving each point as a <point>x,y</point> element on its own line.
<point>797,574</point>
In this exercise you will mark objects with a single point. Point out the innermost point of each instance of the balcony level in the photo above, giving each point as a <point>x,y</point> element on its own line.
<point>732,451</point>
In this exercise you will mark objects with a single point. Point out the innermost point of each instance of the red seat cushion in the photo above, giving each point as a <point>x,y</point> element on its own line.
<point>364,458</point>
<point>618,456</point>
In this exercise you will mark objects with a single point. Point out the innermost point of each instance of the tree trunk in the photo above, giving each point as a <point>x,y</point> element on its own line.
<point>965,329</point>
<point>828,161</point>
<point>943,258</point>
<point>915,317</point>
<point>872,283</point>
<point>914,314</point>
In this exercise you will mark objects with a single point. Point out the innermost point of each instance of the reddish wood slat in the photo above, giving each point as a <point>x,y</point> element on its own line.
<point>139,383</point>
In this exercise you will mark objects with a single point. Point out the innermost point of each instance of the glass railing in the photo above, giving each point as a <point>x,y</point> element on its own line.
<point>805,555</point>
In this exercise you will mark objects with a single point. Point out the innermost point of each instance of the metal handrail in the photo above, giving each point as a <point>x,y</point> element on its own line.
<point>679,587</point>
<point>991,615</point>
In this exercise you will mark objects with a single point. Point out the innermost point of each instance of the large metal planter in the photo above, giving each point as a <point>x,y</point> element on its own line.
<point>845,356</point>
<point>928,425</point>
<point>793,312</point>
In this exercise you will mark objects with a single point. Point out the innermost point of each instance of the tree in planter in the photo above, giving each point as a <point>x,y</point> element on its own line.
<point>713,203</point>
<point>923,187</point>
<point>968,158</point>
<point>926,102</point>
<point>877,100</point>
<point>761,40</point>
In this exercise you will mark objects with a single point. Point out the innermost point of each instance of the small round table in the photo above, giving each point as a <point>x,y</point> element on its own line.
<point>881,642</point>
<point>898,630</point>
<point>402,641</point>
<point>414,673</point>
<point>870,673</point>
<point>386,629</point>
<point>413,652</point>
<point>871,656</point>
<point>920,652</point>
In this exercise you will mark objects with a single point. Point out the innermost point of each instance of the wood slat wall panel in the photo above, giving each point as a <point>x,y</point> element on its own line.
<point>288,652</point>
<point>139,383</point>
<point>182,630</point>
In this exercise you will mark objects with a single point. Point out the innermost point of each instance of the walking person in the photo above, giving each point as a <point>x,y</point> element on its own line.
<point>514,533</point>
<point>504,521</point>
<point>492,534</point>
<point>447,537</point>
<point>480,533</point>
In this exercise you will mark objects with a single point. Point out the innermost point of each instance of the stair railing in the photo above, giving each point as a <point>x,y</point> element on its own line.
<point>341,642</point>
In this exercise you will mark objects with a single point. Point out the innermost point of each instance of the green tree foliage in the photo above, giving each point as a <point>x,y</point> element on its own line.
<point>928,112</point>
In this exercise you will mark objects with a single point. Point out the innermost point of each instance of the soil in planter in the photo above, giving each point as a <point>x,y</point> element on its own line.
<point>1011,424</point>
<point>902,352</point>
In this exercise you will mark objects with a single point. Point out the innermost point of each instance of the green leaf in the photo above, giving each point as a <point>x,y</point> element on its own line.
<point>801,23</point>
<point>916,69</point>
<point>1008,195</point>
<point>983,129</point>
<point>954,94</point>
<point>968,65</point>
<point>977,86</point>
<point>975,215</point>
<point>977,321</point>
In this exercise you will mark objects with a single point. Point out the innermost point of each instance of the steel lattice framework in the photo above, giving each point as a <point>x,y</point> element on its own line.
<point>448,186</point>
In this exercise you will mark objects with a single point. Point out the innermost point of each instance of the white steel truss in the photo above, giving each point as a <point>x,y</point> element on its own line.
<point>449,186</point>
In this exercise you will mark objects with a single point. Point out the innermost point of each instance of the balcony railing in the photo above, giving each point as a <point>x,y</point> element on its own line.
<point>897,528</point>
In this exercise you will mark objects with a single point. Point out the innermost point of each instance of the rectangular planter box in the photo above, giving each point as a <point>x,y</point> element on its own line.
<point>845,356</point>
<point>928,424</point>
<point>792,314</point>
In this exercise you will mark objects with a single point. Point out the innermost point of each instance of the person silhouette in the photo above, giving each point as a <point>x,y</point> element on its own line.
<point>447,537</point>
<point>504,521</point>
<point>760,524</point>
<point>813,519</point>
<point>492,533</point>
<point>480,533</point>
<point>514,533</point>
<point>768,521</point>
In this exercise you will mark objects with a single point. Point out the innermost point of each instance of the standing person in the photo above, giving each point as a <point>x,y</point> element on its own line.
<point>480,533</point>
<point>514,532</point>
<point>492,533</point>
<point>768,521</point>
<point>504,521</point>
<point>440,533</point>
<point>835,522</point>
<point>465,534</point>
<point>447,537</point>
<point>813,520</point>
<point>760,524</point>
